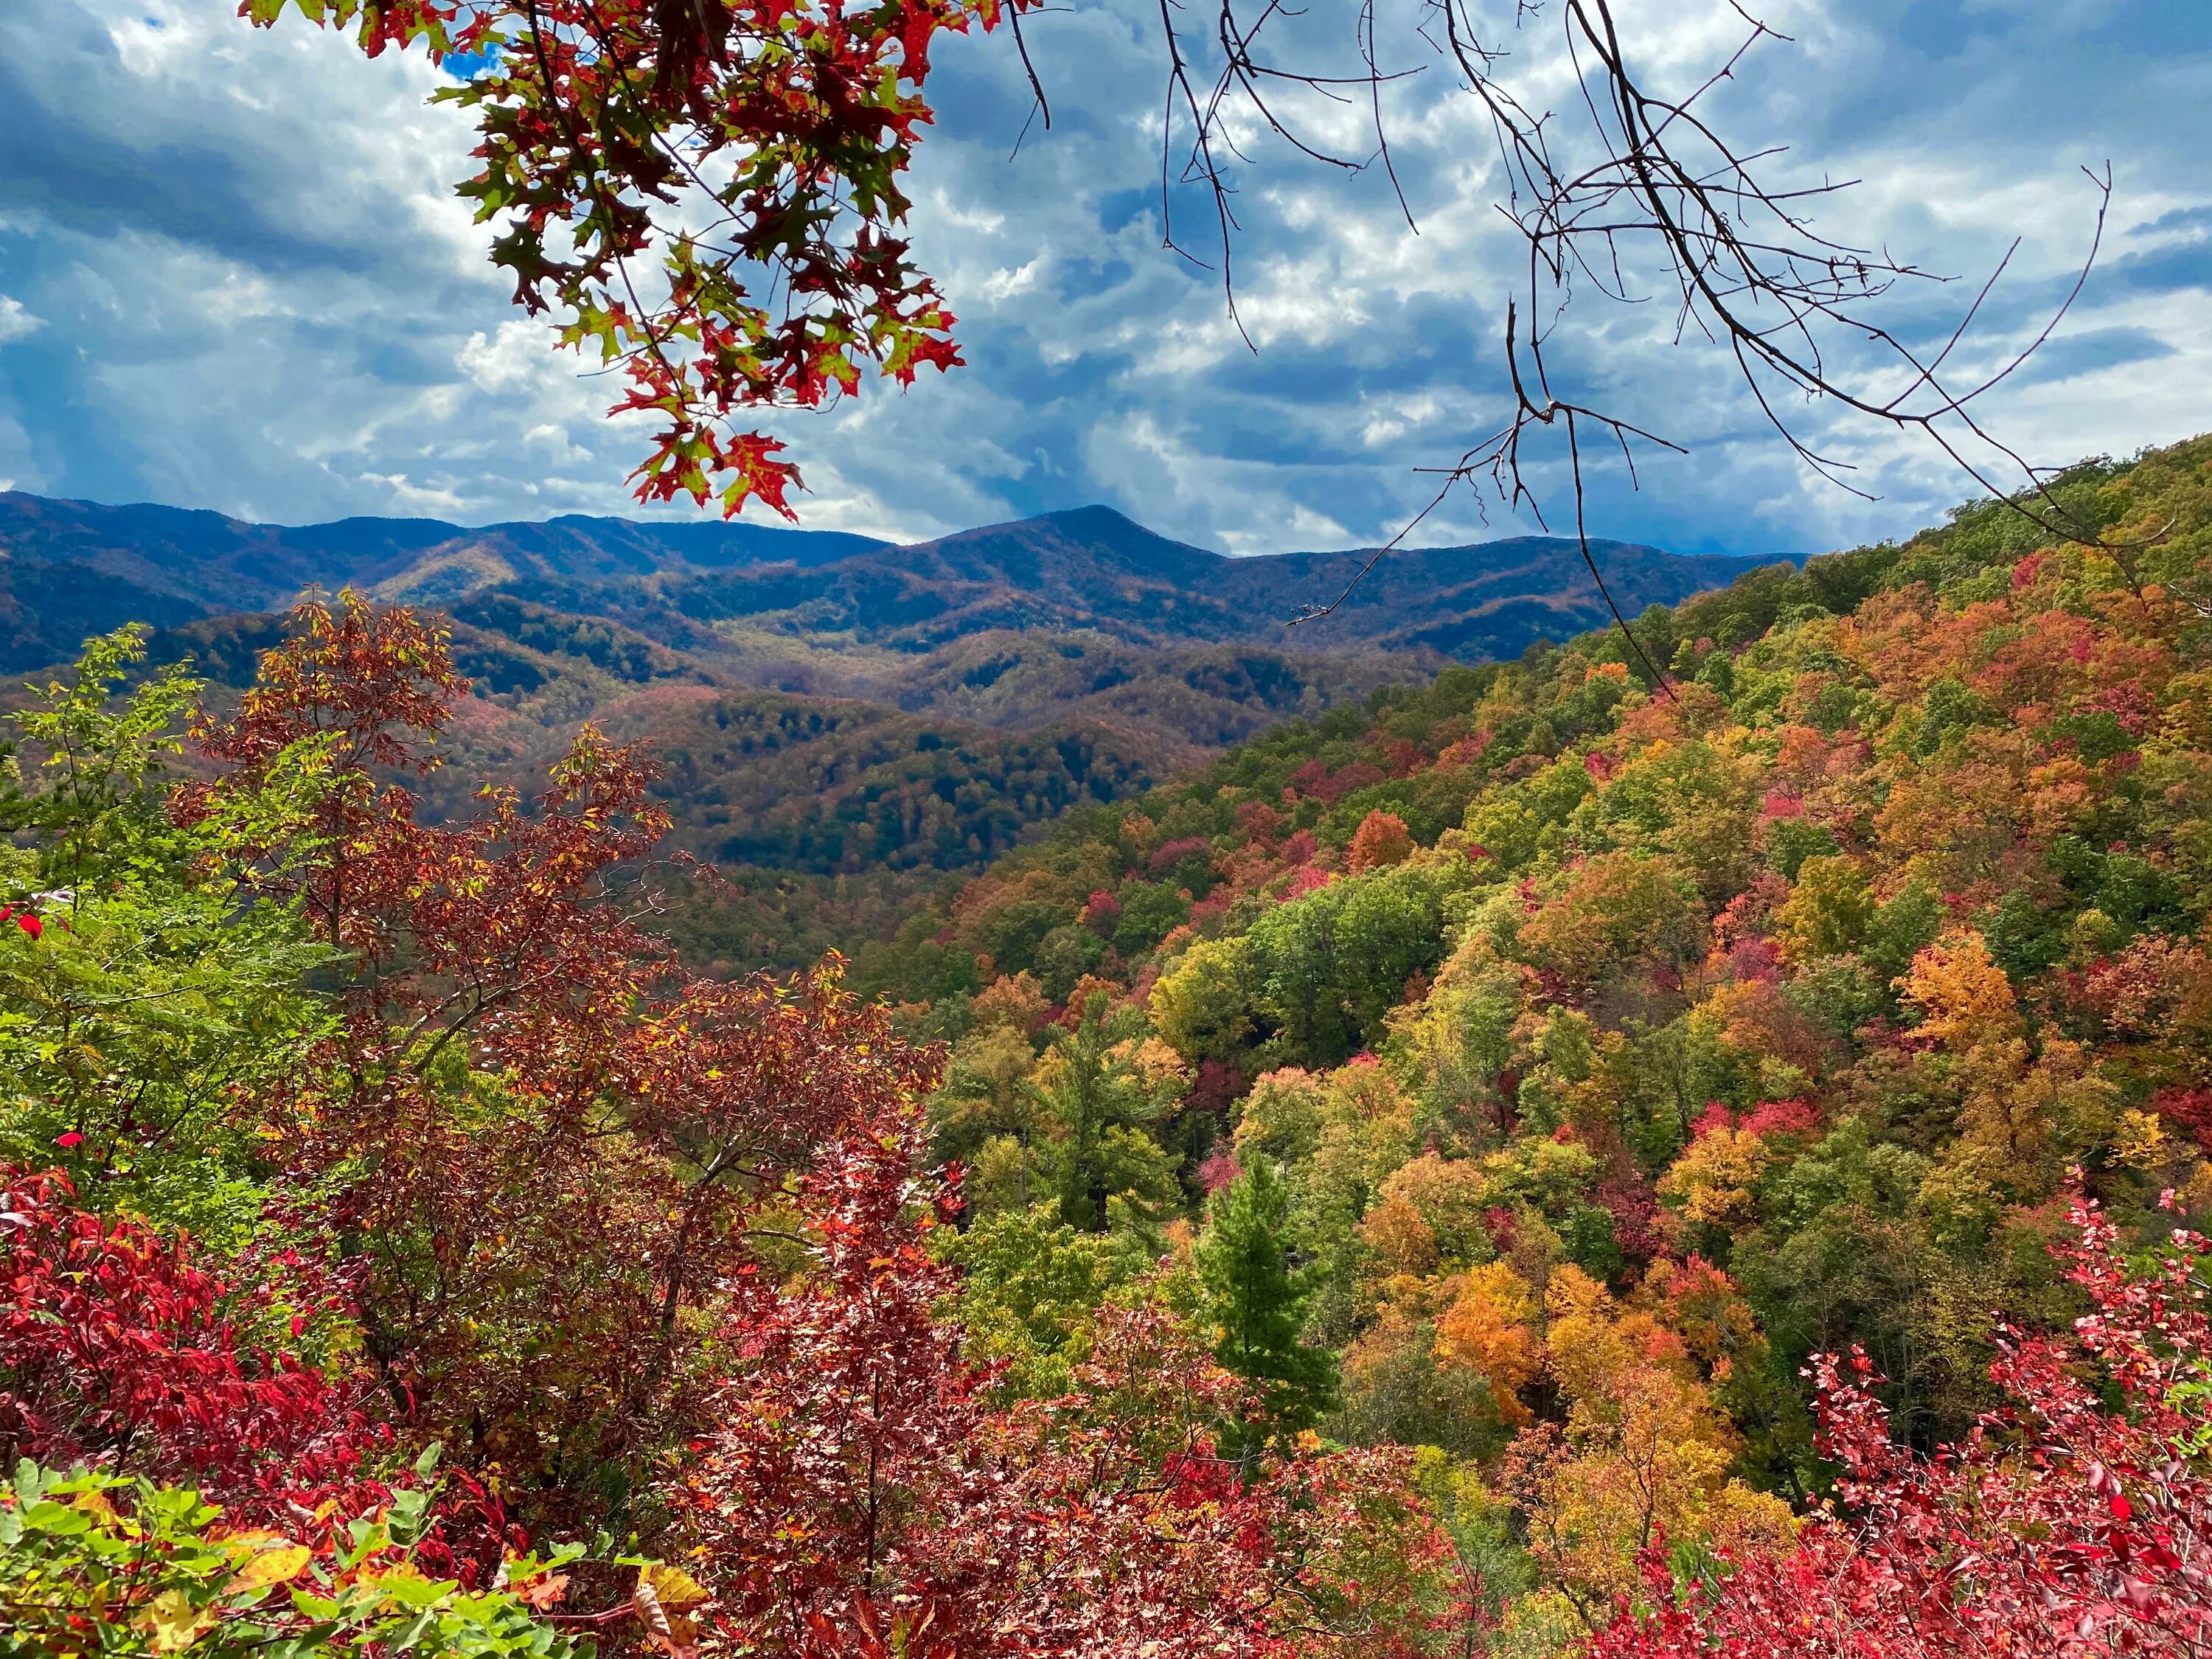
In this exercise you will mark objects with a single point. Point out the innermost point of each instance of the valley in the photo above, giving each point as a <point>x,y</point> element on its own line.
<point>840,722</point>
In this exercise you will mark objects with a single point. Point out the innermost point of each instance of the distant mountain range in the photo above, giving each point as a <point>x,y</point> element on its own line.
<point>74,567</point>
<point>827,703</point>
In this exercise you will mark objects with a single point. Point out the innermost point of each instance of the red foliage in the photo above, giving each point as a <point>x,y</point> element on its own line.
<point>2060,1526</point>
<point>1315,780</point>
<point>529,1247</point>
<point>1627,1196</point>
<point>1752,959</point>
<point>116,1349</point>
<point>1216,1086</point>
<point>2187,1109</point>
<point>1465,752</point>
<point>1750,913</point>
<point>1102,910</point>
<point>1220,1170</point>
<point>1781,1117</point>
<point>727,141</point>
<point>859,1495</point>
<point>1169,853</point>
<point>1258,822</point>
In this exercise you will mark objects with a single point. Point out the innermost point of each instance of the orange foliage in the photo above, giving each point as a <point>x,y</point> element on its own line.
<point>1380,839</point>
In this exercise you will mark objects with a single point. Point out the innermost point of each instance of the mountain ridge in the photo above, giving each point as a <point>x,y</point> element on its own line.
<point>70,567</point>
<point>826,708</point>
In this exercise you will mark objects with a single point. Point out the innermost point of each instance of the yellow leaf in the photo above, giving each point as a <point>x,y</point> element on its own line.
<point>94,1503</point>
<point>172,1623</point>
<point>275,1564</point>
<point>675,1589</point>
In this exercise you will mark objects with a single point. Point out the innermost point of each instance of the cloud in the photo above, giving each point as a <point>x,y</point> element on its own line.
<point>258,294</point>
<point>15,322</point>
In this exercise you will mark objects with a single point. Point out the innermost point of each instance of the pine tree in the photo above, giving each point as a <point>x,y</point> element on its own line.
<point>1090,1086</point>
<point>1255,1299</point>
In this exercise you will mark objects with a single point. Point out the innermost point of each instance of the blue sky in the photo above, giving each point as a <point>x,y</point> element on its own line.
<point>232,275</point>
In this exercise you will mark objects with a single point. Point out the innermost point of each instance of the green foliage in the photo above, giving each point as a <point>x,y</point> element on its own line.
<point>1100,1102</point>
<point>97,1564</point>
<point>1332,965</point>
<point>1031,1290</point>
<point>155,995</point>
<point>1255,1299</point>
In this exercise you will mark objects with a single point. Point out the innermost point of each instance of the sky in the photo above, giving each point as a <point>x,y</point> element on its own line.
<point>233,275</point>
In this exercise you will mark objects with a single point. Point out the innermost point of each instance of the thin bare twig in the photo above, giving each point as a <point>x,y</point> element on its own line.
<point>1741,258</point>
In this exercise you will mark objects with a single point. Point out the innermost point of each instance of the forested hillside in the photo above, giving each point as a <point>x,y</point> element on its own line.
<point>1601,1054</point>
<point>1533,1163</point>
<point>839,724</point>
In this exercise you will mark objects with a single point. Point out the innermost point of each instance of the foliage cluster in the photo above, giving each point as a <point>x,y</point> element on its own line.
<point>1603,1054</point>
<point>400,1199</point>
<point>1526,1164</point>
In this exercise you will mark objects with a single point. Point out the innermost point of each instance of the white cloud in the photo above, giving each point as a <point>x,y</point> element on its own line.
<point>15,322</point>
<point>241,280</point>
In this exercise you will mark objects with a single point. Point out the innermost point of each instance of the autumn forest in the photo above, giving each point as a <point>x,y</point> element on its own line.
<point>1534,1162</point>
<point>597,1086</point>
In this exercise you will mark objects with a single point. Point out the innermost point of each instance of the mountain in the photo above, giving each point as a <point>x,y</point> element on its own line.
<point>829,710</point>
<point>1093,568</point>
<point>71,569</point>
<point>781,606</point>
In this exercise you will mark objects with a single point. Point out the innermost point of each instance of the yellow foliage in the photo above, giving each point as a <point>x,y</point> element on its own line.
<point>1963,997</point>
<point>2141,1141</point>
<point>1644,1450</point>
<point>1449,1195</point>
<point>1715,1183</point>
<point>1399,1242</point>
<point>2033,1115</point>
<point>1014,1000</point>
<point>1199,1004</point>
<point>1827,912</point>
<point>1160,1066</point>
<point>1486,1329</point>
<point>172,1623</point>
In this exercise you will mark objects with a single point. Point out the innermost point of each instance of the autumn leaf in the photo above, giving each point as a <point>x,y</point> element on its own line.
<point>676,1590</point>
<point>172,1623</point>
<point>268,1559</point>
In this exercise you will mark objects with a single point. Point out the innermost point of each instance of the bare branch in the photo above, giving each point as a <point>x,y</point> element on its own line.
<point>1662,196</point>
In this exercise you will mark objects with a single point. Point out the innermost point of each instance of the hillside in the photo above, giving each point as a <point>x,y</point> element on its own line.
<point>1505,1146</point>
<point>1729,1024</point>
<point>827,710</point>
<point>1093,568</point>
<point>69,566</point>
<point>774,601</point>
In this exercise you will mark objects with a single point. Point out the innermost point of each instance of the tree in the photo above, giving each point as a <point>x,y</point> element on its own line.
<point>537,1143</point>
<point>116,1347</point>
<point>1255,1300</point>
<point>1643,1456</point>
<point>860,1497</point>
<point>1380,839</point>
<point>2064,1523</point>
<point>1102,1102</point>
<point>143,993</point>
<point>1200,1006</point>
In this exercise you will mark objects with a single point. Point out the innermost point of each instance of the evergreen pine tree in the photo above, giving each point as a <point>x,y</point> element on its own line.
<point>1255,1299</point>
